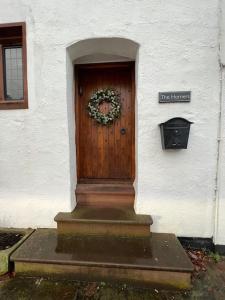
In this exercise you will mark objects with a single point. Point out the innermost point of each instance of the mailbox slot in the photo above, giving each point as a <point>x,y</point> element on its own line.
<point>175,133</point>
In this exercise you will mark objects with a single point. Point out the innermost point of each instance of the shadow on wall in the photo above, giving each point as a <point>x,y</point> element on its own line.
<point>123,48</point>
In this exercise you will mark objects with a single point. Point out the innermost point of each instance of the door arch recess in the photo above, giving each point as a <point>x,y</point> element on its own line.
<point>93,50</point>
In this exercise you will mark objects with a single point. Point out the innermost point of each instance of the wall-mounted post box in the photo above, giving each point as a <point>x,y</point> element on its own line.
<point>175,133</point>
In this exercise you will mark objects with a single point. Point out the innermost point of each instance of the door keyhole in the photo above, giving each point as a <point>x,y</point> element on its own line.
<point>122,130</point>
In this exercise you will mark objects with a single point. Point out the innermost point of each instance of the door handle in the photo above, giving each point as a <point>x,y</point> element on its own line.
<point>122,130</point>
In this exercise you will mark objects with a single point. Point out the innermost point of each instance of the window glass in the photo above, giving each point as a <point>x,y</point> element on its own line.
<point>13,73</point>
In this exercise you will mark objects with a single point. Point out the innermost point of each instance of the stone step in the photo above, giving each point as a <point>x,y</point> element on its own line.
<point>85,220</point>
<point>158,260</point>
<point>105,195</point>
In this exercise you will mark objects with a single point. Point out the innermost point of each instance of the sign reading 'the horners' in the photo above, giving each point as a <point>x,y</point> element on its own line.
<point>171,97</point>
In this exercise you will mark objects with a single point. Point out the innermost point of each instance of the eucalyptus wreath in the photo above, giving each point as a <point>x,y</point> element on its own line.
<point>104,95</point>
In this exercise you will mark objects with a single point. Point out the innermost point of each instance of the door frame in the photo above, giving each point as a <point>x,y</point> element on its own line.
<point>131,65</point>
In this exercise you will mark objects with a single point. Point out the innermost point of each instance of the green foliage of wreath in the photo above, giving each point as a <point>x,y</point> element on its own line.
<point>105,95</point>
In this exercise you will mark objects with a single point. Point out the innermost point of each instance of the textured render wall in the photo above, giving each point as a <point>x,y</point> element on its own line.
<point>177,188</point>
<point>34,149</point>
<point>219,237</point>
<point>178,51</point>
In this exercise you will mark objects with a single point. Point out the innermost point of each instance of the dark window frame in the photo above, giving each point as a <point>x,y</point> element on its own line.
<point>14,41</point>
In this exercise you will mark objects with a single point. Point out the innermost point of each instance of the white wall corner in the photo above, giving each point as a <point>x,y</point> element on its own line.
<point>222,31</point>
<point>219,228</point>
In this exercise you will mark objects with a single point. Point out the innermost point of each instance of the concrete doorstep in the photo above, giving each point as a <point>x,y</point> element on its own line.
<point>206,285</point>
<point>158,260</point>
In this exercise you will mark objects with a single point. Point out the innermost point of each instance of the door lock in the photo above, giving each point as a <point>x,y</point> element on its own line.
<point>122,130</point>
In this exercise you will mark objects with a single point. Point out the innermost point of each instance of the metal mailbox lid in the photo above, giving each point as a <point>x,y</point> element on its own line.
<point>176,122</point>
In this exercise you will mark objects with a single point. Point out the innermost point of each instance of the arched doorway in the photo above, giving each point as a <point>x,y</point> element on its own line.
<point>104,154</point>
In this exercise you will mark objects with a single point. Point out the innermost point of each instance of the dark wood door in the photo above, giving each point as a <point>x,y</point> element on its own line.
<point>105,152</point>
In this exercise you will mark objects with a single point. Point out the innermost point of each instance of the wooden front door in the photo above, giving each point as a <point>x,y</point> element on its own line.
<point>105,152</point>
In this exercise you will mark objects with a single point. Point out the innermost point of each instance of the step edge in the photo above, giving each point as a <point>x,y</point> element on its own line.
<point>103,265</point>
<point>102,221</point>
<point>121,222</point>
<point>128,193</point>
<point>105,189</point>
<point>104,185</point>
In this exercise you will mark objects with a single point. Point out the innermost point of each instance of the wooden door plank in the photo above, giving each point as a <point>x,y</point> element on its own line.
<point>103,152</point>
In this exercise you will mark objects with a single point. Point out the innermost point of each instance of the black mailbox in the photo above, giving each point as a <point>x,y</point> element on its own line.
<point>175,133</point>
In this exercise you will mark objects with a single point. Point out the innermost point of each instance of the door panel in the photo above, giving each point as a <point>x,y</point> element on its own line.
<point>103,152</point>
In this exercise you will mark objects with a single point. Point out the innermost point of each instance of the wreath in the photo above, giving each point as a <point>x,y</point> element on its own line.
<point>104,95</point>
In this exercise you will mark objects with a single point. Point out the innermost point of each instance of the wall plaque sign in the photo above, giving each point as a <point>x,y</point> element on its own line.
<point>172,97</point>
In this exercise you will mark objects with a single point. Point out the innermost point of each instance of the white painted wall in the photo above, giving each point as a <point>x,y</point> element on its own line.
<point>219,236</point>
<point>178,51</point>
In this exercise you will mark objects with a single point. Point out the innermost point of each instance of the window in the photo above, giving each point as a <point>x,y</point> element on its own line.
<point>13,66</point>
